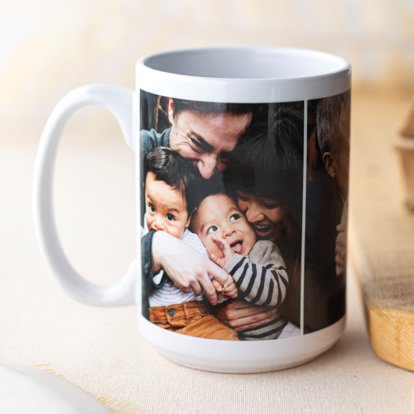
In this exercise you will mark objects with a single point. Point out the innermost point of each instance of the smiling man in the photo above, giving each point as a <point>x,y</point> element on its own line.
<point>204,132</point>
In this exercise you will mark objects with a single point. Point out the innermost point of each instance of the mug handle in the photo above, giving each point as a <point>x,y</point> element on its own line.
<point>119,102</point>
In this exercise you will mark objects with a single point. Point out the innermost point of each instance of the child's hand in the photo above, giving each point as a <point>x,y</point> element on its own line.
<point>217,285</point>
<point>230,288</point>
<point>225,248</point>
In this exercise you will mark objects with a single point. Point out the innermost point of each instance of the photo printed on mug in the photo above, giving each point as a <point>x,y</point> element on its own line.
<point>327,176</point>
<point>257,191</point>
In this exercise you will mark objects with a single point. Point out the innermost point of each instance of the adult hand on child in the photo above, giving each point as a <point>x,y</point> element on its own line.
<point>242,316</point>
<point>230,288</point>
<point>186,267</point>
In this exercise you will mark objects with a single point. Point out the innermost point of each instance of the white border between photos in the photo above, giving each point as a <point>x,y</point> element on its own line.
<point>303,229</point>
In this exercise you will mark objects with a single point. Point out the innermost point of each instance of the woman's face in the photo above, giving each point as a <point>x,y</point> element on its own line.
<point>264,214</point>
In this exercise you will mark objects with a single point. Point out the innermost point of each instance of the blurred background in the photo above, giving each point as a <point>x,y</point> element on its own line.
<point>48,47</point>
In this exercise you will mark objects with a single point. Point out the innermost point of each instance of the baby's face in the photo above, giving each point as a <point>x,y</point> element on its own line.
<point>218,216</point>
<point>165,207</point>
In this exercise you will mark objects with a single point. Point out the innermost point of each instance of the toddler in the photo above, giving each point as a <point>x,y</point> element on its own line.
<point>257,267</point>
<point>169,177</point>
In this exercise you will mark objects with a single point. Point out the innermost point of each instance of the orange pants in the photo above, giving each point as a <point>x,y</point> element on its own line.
<point>191,318</point>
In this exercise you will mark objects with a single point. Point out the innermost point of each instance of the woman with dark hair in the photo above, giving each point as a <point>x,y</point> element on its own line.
<point>265,175</point>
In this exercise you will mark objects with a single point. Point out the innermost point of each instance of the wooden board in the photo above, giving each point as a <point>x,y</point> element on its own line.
<point>382,231</point>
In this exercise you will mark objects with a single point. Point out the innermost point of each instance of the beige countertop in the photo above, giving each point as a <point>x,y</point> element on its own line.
<point>100,349</point>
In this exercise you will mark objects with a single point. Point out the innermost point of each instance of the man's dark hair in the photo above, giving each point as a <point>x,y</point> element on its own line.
<point>268,162</point>
<point>328,114</point>
<point>181,105</point>
<point>170,167</point>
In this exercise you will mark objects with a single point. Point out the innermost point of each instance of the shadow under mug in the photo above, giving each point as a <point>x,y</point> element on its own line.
<point>242,186</point>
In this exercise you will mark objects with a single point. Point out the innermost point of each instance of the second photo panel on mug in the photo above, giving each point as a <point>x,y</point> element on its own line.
<point>326,210</point>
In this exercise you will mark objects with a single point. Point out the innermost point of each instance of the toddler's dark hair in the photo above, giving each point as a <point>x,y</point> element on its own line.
<point>170,167</point>
<point>206,188</point>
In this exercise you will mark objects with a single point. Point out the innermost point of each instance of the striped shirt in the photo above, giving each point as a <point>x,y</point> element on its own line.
<point>262,279</point>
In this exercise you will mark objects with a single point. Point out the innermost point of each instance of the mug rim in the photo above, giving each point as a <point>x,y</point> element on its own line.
<point>155,62</point>
<point>160,74</point>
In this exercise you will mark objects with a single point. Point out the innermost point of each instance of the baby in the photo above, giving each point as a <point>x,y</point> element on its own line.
<point>257,267</point>
<point>169,179</point>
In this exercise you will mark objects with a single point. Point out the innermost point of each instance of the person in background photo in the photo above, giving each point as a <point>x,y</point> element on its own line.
<point>326,209</point>
<point>333,130</point>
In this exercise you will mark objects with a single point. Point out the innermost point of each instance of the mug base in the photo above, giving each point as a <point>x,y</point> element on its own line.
<point>240,357</point>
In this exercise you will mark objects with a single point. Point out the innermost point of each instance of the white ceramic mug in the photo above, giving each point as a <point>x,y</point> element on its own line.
<point>242,181</point>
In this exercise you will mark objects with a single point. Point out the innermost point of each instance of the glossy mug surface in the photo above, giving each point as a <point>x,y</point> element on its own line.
<point>242,184</point>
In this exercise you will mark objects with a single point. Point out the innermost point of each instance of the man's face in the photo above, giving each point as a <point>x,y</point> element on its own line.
<point>204,138</point>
